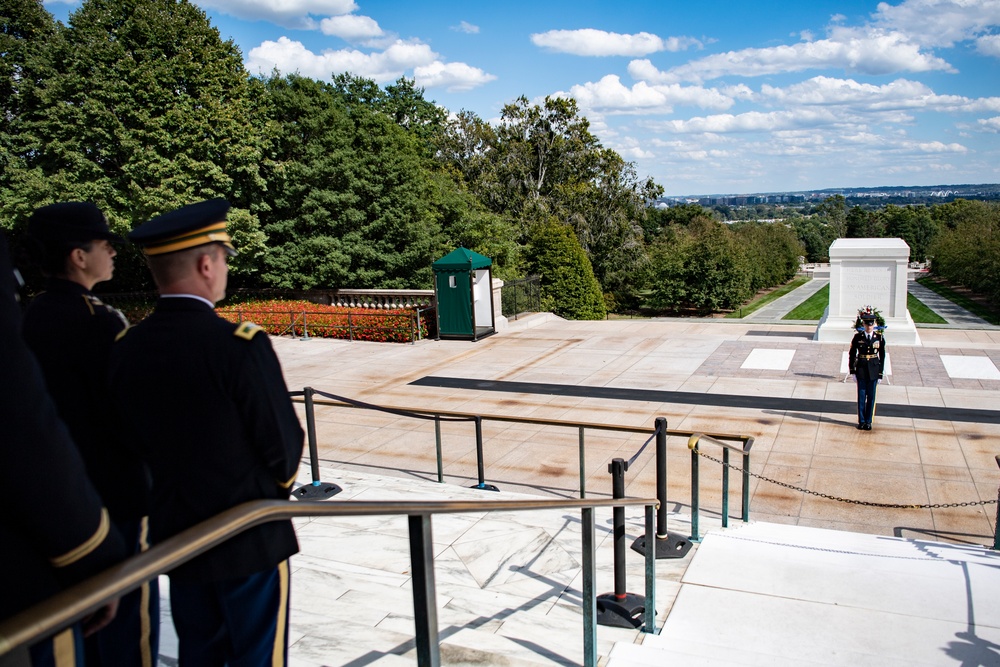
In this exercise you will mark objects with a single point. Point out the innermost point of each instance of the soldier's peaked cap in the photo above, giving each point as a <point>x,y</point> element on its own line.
<point>187,227</point>
<point>70,222</point>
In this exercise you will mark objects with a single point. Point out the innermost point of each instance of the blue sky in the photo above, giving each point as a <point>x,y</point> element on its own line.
<point>705,96</point>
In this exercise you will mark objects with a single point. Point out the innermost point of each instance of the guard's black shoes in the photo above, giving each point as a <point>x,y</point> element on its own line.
<point>861,427</point>
<point>868,427</point>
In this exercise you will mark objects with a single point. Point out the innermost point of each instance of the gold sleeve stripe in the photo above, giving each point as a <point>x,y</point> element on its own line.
<point>88,546</point>
<point>64,649</point>
<point>279,655</point>
<point>90,306</point>
<point>121,334</point>
<point>288,484</point>
<point>247,330</point>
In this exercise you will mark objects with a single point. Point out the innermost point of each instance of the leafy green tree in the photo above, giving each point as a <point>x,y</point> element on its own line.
<point>817,238</point>
<point>703,268</point>
<point>914,225</point>
<point>864,224</point>
<point>351,201</point>
<point>832,212</point>
<point>967,250</point>
<point>773,252</point>
<point>140,107</point>
<point>569,287</point>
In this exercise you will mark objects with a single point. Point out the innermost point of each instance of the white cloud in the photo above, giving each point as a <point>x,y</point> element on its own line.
<point>867,52</point>
<point>989,45</point>
<point>466,27</point>
<point>989,124</point>
<point>294,14</point>
<point>351,27</point>
<point>935,147</point>
<point>940,22</point>
<point>591,42</point>
<point>451,76</point>
<point>609,94</point>
<point>752,121</point>
<point>635,152</point>
<point>901,94</point>
<point>288,56</point>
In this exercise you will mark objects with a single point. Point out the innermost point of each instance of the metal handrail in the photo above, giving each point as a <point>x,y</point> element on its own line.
<point>75,603</point>
<point>581,426</point>
<point>744,450</point>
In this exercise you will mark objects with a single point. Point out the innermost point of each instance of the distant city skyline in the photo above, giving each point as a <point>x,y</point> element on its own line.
<point>717,96</point>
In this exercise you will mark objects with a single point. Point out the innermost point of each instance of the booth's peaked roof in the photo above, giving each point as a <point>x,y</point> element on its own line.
<point>462,259</point>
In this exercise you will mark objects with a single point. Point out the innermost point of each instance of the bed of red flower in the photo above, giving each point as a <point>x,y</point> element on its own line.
<point>304,318</point>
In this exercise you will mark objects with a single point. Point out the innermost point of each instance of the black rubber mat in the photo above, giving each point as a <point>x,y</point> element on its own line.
<point>779,404</point>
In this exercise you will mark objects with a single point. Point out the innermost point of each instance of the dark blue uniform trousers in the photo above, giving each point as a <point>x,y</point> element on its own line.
<point>133,638</point>
<point>239,622</point>
<point>866,399</point>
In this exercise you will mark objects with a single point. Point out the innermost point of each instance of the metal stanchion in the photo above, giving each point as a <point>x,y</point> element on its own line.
<point>666,545</point>
<point>620,609</point>
<point>996,529</point>
<point>479,458</point>
<point>317,490</point>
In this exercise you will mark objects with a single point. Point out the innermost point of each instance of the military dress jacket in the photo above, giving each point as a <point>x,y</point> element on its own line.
<point>54,529</point>
<point>866,359</point>
<point>205,403</point>
<point>71,332</point>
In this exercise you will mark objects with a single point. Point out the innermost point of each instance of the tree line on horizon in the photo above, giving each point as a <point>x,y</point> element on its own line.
<point>140,107</point>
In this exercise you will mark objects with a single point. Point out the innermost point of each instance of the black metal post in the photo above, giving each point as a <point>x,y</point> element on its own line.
<point>619,609</point>
<point>589,593</point>
<point>996,529</point>
<point>667,546</point>
<point>317,490</point>
<point>617,470</point>
<point>479,458</point>
<point>424,596</point>
<point>695,536</point>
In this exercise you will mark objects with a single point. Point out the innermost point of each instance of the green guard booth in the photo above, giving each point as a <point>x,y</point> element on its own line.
<point>464,290</point>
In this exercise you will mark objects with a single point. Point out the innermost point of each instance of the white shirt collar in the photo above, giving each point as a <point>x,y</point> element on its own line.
<point>189,296</point>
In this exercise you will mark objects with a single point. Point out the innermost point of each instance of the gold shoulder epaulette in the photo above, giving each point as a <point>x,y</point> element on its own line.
<point>121,334</point>
<point>247,330</point>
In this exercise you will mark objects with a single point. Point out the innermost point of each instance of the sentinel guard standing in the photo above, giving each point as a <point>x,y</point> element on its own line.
<point>866,362</point>
<point>71,332</point>
<point>206,403</point>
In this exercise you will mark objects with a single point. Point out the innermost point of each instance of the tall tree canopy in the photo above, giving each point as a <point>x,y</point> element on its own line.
<point>140,107</point>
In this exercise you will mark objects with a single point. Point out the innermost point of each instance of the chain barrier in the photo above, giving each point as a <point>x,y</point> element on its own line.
<point>845,500</point>
<point>656,430</point>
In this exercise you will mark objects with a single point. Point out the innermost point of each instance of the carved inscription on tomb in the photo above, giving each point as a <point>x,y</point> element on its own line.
<point>866,285</point>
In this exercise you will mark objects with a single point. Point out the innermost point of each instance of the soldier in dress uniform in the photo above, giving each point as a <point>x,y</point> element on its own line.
<point>54,528</point>
<point>71,332</point>
<point>867,363</point>
<point>207,405</point>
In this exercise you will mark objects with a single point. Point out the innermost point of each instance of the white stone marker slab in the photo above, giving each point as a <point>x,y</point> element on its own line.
<point>769,360</point>
<point>970,368</point>
<point>868,272</point>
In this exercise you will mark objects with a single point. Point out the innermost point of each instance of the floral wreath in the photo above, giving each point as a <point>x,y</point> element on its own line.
<point>868,311</point>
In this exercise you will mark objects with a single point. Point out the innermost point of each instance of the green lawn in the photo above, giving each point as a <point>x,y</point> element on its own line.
<point>813,307</point>
<point>745,310</point>
<point>958,299</point>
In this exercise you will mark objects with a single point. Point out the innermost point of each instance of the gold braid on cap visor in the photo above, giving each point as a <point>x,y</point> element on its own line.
<point>216,232</point>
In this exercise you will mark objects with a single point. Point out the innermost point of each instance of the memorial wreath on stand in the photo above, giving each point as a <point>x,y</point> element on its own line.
<point>867,312</point>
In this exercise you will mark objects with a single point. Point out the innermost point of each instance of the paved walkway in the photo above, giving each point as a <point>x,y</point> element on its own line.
<point>783,305</point>
<point>956,315</point>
